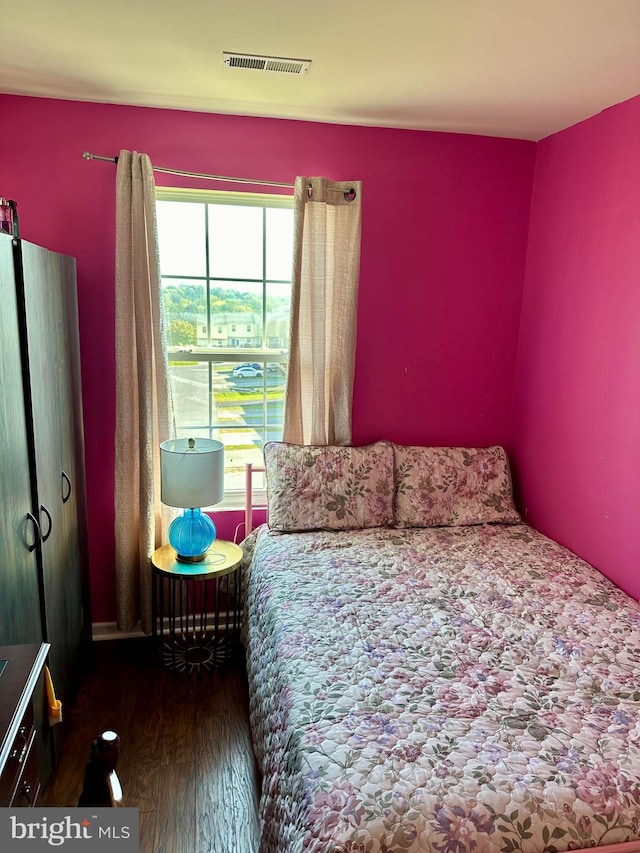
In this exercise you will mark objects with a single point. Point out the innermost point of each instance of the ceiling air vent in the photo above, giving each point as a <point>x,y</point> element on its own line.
<point>275,64</point>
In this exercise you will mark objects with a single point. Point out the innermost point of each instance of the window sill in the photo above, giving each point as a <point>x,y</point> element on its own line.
<point>235,501</point>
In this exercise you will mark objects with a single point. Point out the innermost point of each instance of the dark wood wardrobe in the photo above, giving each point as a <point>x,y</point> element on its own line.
<point>44,580</point>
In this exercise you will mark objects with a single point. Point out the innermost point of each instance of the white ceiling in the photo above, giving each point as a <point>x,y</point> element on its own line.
<point>515,68</point>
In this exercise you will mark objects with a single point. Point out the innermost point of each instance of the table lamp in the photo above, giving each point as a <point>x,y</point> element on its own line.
<point>192,476</point>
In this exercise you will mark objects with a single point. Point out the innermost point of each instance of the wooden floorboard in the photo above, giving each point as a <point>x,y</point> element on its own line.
<point>186,760</point>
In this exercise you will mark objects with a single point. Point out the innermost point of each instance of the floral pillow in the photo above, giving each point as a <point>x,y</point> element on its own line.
<point>329,488</point>
<point>437,486</point>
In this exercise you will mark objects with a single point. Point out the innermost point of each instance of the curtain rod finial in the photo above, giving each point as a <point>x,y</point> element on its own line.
<point>87,155</point>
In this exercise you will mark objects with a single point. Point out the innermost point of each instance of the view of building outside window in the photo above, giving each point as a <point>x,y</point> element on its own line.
<point>225,262</point>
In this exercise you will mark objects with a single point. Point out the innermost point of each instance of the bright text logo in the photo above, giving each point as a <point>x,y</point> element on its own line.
<point>78,829</point>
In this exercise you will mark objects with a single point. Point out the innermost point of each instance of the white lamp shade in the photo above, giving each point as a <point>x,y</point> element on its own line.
<point>192,472</point>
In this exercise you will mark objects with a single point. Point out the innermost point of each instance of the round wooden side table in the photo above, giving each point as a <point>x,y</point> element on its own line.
<point>196,607</point>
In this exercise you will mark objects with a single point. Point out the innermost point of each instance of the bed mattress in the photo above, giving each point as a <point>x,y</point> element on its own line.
<point>445,689</point>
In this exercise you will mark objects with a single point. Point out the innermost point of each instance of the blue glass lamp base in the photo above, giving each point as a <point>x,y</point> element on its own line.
<point>191,535</point>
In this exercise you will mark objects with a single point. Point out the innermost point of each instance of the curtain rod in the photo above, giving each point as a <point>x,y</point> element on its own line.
<point>88,156</point>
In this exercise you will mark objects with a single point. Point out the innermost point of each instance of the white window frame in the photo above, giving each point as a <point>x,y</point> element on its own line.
<point>233,498</point>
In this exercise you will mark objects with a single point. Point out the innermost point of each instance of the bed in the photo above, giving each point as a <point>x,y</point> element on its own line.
<point>428,673</point>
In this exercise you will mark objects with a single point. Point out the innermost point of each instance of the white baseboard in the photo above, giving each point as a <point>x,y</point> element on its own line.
<point>109,631</point>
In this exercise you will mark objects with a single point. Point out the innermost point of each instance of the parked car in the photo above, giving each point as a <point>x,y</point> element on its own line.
<point>248,370</point>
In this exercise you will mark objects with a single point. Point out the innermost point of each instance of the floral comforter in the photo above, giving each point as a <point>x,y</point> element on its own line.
<point>445,689</point>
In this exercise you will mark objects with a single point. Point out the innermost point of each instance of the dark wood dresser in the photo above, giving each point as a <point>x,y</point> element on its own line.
<point>21,704</point>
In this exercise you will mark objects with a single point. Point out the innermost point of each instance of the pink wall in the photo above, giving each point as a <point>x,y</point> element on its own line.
<point>576,426</point>
<point>444,236</point>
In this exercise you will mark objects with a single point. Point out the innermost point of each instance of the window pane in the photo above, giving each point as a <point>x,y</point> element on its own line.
<point>240,409</point>
<point>274,409</point>
<point>235,241</point>
<point>278,299</point>
<point>191,398</point>
<point>239,448</point>
<point>279,243</point>
<point>236,310</point>
<point>181,238</point>
<point>185,312</point>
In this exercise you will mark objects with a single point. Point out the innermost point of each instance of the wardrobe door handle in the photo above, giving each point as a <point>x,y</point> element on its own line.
<point>37,534</point>
<point>46,535</point>
<point>67,481</point>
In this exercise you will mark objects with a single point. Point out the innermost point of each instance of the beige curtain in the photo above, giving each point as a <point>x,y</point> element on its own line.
<point>143,402</point>
<point>326,266</point>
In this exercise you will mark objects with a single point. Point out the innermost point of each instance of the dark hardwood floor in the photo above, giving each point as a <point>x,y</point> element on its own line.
<point>186,759</point>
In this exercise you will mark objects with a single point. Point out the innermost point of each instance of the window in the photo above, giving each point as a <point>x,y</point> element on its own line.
<point>225,263</point>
